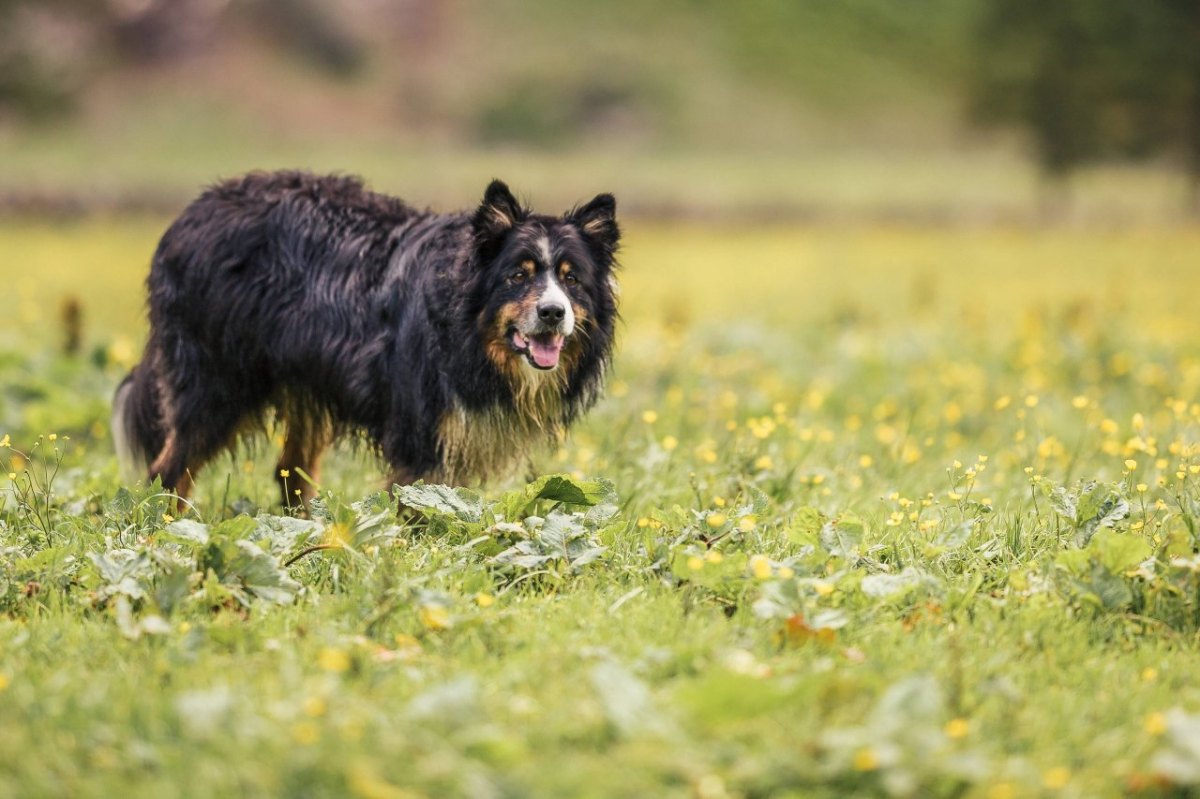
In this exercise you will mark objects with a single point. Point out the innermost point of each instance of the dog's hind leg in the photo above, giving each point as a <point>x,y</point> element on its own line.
<point>190,444</point>
<point>174,467</point>
<point>299,468</point>
<point>201,417</point>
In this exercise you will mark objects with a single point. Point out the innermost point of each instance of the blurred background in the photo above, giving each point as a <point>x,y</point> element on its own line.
<point>928,111</point>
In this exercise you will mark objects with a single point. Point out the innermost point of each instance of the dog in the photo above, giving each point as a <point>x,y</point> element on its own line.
<point>452,343</point>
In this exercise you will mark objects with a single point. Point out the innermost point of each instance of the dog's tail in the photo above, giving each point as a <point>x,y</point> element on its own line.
<point>137,427</point>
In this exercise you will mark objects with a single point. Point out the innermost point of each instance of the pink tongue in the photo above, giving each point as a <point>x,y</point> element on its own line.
<point>545,352</point>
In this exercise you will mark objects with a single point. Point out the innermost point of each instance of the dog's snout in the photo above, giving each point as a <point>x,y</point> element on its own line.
<point>551,313</point>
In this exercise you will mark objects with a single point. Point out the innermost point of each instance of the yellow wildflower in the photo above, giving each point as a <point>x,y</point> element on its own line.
<point>957,728</point>
<point>306,733</point>
<point>434,617</point>
<point>335,660</point>
<point>865,759</point>
<point>1056,778</point>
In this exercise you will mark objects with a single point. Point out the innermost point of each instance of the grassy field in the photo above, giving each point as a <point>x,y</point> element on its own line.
<point>867,511</point>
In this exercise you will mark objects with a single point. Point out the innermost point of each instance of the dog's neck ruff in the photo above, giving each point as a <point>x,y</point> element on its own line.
<point>477,445</point>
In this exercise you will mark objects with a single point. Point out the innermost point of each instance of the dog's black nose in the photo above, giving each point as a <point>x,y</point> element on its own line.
<point>551,313</point>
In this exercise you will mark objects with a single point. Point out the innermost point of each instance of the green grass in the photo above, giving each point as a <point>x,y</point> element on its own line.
<point>767,616</point>
<point>166,162</point>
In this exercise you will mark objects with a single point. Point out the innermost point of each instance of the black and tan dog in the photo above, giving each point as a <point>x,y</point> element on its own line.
<point>453,343</point>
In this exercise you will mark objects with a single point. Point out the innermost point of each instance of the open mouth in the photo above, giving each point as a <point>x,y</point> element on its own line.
<point>540,349</point>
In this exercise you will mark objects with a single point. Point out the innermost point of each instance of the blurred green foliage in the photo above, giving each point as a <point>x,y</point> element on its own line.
<point>1092,79</point>
<point>168,93</point>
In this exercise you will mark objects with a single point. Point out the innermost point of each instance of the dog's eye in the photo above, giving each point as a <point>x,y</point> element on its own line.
<point>570,279</point>
<point>517,277</point>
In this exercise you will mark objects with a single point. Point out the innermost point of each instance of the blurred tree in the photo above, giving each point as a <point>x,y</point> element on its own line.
<point>1183,22</point>
<point>1091,80</point>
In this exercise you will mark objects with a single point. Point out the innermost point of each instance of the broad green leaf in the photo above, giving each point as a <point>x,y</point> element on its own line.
<point>285,533</point>
<point>1177,537</point>
<point>760,503</point>
<point>117,565</point>
<point>559,529</point>
<point>187,531</point>
<point>1076,561</point>
<point>461,503</point>
<point>585,556</point>
<point>841,537</point>
<point>235,529</point>
<point>172,583</point>
<point>885,586</point>
<point>46,561</point>
<point>1119,552</point>
<point>1063,502</point>
<point>805,525</point>
<point>566,489</point>
<point>526,554</point>
<point>597,515</point>
<point>260,573</point>
<point>1100,505</point>
<point>1102,587</point>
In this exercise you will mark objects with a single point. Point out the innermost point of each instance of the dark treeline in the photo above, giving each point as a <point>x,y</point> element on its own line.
<point>1092,80</point>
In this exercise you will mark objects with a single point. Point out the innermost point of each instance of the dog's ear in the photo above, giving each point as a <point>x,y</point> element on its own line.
<point>496,216</point>
<point>597,221</point>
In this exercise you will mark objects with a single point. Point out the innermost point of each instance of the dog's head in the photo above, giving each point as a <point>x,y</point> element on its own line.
<point>548,286</point>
